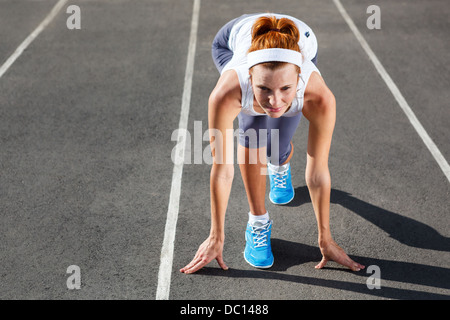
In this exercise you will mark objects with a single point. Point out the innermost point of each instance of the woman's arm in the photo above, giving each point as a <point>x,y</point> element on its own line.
<point>320,110</point>
<point>223,108</point>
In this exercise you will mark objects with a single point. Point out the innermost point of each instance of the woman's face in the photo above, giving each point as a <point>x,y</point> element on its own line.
<point>274,90</point>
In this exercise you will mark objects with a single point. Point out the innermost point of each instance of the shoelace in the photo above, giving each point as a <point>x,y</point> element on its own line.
<point>280,178</point>
<point>260,235</point>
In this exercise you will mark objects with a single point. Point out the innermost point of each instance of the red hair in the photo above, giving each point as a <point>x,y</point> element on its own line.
<point>270,32</point>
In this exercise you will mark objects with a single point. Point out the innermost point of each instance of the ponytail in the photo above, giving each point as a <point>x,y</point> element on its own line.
<point>270,32</point>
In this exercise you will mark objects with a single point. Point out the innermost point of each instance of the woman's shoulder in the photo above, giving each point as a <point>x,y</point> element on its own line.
<point>228,88</point>
<point>317,94</point>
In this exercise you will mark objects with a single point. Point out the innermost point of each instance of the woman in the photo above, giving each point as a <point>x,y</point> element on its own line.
<point>268,80</point>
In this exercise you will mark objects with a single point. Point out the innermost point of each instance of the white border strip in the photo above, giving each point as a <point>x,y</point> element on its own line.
<point>21,48</point>
<point>396,93</point>
<point>165,267</point>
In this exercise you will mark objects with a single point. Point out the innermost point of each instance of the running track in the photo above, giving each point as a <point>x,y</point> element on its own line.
<point>87,177</point>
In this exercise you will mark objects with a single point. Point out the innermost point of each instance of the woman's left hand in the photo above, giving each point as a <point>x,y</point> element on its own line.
<point>332,252</point>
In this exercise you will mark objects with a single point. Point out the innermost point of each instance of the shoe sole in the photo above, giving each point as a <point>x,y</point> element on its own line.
<point>259,267</point>
<point>293,196</point>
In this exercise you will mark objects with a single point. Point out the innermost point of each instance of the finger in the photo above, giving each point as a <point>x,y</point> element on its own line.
<point>189,267</point>
<point>200,264</point>
<point>354,266</point>
<point>182,270</point>
<point>190,264</point>
<point>321,264</point>
<point>343,259</point>
<point>221,263</point>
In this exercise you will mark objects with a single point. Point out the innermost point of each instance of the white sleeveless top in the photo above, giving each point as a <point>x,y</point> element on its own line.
<point>239,42</point>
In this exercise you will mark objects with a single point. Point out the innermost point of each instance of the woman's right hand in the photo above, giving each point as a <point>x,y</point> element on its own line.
<point>210,249</point>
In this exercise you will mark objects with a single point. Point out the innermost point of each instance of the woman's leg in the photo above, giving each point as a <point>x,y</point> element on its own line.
<point>279,143</point>
<point>252,160</point>
<point>259,136</point>
<point>253,177</point>
<point>220,51</point>
<point>280,149</point>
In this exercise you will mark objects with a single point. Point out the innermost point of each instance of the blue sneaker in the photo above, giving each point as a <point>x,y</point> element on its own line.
<point>281,189</point>
<point>258,251</point>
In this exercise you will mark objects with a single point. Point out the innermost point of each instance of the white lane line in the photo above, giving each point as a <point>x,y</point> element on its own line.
<point>165,267</point>
<point>31,37</point>
<point>442,162</point>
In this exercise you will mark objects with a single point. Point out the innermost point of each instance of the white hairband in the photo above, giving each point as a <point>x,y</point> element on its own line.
<point>274,54</point>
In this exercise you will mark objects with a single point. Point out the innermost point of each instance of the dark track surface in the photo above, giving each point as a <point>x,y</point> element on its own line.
<point>86,119</point>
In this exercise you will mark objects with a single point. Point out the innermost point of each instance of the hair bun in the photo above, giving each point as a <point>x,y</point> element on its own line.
<point>270,32</point>
<point>264,25</point>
